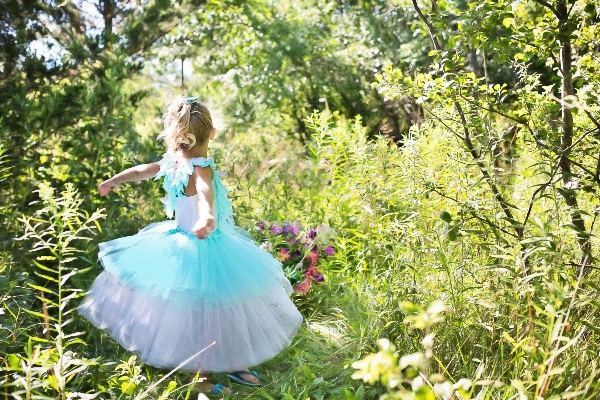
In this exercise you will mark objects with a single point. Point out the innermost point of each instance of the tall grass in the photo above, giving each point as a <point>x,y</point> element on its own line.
<point>414,225</point>
<point>413,228</point>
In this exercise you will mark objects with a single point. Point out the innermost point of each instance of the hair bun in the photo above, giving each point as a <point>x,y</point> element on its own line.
<point>187,122</point>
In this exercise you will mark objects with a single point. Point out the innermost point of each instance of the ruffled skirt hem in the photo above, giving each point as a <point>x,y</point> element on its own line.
<point>165,334</point>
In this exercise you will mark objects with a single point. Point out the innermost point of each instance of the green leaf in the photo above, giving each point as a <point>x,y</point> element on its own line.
<point>14,361</point>
<point>172,385</point>
<point>128,387</point>
<point>38,314</point>
<point>360,393</point>
<point>445,216</point>
<point>517,384</point>
<point>41,266</point>
<point>453,233</point>
<point>507,22</point>
<point>51,279</point>
<point>42,289</point>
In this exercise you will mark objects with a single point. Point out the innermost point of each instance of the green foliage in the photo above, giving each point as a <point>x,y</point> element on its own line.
<point>276,62</point>
<point>489,203</point>
<point>492,284</point>
<point>54,232</point>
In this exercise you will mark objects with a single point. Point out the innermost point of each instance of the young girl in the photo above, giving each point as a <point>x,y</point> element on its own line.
<point>176,287</point>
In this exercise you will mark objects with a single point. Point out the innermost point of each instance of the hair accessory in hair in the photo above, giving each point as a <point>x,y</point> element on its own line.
<point>190,100</point>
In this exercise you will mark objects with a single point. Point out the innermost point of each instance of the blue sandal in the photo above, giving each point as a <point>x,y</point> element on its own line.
<point>219,390</point>
<point>236,377</point>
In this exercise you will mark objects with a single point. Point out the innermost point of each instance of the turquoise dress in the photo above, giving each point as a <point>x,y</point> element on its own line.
<point>166,295</point>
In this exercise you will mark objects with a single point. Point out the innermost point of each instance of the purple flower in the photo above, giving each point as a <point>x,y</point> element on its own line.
<point>312,234</point>
<point>260,225</point>
<point>290,228</point>
<point>329,251</point>
<point>319,277</point>
<point>296,254</point>
<point>276,230</point>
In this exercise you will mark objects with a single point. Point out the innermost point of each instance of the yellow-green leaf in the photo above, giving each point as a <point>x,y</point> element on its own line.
<point>507,22</point>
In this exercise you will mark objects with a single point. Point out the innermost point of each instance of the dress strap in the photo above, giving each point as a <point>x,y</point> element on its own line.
<point>224,210</point>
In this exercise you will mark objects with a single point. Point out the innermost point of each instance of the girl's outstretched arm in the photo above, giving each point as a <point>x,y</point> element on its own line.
<point>138,173</point>
<point>206,194</point>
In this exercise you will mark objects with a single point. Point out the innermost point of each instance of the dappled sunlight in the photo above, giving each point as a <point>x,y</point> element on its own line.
<point>426,173</point>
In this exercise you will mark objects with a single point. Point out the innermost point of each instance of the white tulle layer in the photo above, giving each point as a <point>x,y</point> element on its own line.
<point>165,333</point>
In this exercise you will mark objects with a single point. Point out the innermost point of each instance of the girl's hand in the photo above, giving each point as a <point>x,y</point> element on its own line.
<point>105,187</point>
<point>204,227</point>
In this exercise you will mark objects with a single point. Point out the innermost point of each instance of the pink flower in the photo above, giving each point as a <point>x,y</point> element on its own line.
<point>311,271</point>
<point>284,255</point>
<point>304,286</point>
<point>313,257</point>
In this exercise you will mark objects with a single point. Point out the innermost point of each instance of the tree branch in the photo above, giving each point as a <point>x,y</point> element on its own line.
<point>495,111</point>
<point>467,136</point>
<point>549,6</point>
<point>537,191</point>
<point>593,119</point>
<point>434,39</point>
<point>584,169</point>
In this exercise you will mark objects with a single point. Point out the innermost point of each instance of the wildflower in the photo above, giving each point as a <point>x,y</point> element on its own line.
<point>313,257</point>
<point>319,278</point>
<point>311,271</point>
<point>304,286</point>
<point>329,251</point>
<point>267,246</point>
<point>260,225</point>
<point>284,255</point>
<point>290,228</point>
<point>276,230</point>
<point>312,234</point>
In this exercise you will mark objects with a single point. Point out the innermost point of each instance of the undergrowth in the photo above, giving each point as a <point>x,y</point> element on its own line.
<point>519,319</point>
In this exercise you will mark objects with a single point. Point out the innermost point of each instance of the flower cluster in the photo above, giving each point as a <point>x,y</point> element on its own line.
<point>299,250</point>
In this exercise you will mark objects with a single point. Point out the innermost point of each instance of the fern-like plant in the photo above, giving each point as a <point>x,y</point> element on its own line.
<point>56,232</point>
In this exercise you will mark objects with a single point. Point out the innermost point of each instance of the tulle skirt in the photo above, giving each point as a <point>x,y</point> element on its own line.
<point>166,295</point>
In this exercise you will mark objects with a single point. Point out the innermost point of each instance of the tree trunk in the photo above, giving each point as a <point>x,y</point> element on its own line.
<point>566,140</point>
<point>108,13</point>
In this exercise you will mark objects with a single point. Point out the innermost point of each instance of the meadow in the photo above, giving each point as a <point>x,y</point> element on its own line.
<point>447,177</point>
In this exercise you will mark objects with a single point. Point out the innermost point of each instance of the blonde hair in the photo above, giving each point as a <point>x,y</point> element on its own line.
<point>187,123</point>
